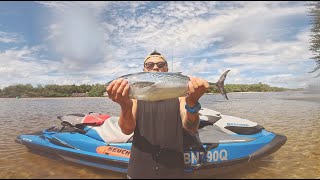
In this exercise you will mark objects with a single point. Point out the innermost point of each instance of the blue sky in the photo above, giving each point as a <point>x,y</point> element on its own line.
<point>93,42</point>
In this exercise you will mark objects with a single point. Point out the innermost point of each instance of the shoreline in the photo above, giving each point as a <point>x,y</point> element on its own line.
<point>48,97</point>
<point>252,92</point>
<point>41,97</point>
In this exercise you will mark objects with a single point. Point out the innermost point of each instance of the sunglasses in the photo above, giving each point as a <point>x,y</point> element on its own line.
<point>151,64</point>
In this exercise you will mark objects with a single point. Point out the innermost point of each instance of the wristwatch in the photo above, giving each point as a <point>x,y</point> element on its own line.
<point>194,109</point>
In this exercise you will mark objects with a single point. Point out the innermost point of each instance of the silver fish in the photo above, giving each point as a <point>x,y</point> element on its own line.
<point>156,86</point>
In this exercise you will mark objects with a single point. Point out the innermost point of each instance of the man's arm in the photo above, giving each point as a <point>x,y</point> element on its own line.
<point>197,87</point>
<point>127,120</point>
<point>190,121</point>
<point>118,91</point>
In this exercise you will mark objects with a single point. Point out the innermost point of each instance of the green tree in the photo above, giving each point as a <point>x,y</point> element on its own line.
<point>18,90</point>
<point>83,88</point>
<point>315,36</point>
<point>247,88</point>
<point>97,90</point>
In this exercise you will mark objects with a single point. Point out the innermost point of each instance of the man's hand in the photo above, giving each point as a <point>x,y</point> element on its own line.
<point>118,91</point>
<point>197,87</point>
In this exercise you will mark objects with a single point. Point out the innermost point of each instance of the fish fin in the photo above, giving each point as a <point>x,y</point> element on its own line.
<point>222,91</point>
<point>220,84</point>
<point>143,84</point>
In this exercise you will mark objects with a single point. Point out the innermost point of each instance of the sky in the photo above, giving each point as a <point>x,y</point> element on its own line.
<point>94,42</point>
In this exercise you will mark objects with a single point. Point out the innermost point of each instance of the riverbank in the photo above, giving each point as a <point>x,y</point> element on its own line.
<point>105,95</point>
<point>53,97</point>
<point>40,97</point>
<point>99,90</point>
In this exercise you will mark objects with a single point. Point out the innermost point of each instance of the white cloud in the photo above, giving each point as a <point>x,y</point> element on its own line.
<point>22,66</point>
<point>271,57</point>
<point>78,37</point>
<point>258,41</point>
<point>180,25</point>
<point>6,37</point>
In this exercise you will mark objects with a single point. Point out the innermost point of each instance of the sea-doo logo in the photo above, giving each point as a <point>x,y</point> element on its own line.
<point>212,156</point>
<point>237,124</point>
<point>26,139</point>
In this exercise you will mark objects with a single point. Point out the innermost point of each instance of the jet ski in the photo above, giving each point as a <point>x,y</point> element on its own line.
<point>96,140</point>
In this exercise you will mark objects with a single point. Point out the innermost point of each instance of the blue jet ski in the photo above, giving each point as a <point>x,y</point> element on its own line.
<point>96,140</point>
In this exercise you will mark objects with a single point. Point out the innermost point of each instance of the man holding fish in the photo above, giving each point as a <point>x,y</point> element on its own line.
<point>157,106</point>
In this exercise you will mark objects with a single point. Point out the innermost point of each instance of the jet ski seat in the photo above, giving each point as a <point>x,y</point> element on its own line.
<point>109,131</point>
<point>99,126</point>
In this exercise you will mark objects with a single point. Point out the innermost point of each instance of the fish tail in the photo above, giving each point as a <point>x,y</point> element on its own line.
<point>220,84</point>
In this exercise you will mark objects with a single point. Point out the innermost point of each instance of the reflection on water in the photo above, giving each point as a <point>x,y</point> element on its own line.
<point>293,114</point>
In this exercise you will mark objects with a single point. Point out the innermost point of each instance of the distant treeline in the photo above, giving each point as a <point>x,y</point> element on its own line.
<point>97,90</point>
<point>52,90</point>
<point>248,88</point>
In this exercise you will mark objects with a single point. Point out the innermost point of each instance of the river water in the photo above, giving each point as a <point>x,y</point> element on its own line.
<point>293,114</point>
